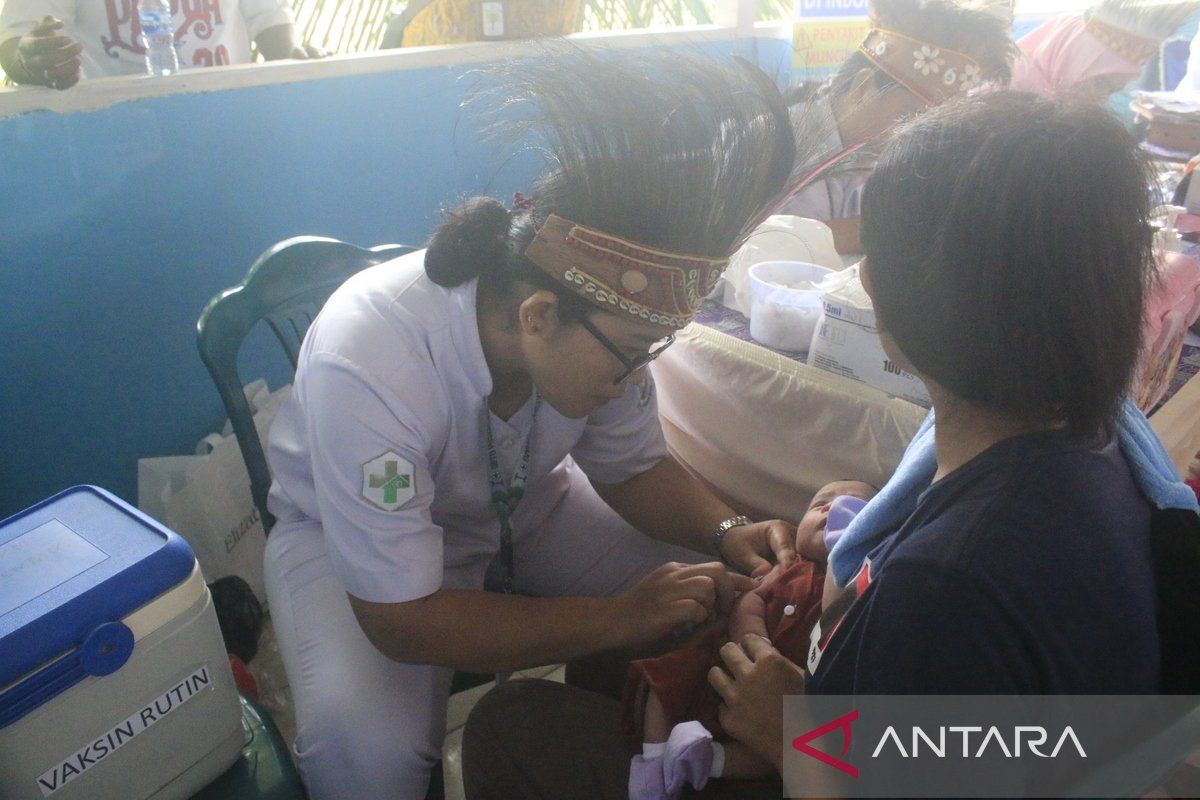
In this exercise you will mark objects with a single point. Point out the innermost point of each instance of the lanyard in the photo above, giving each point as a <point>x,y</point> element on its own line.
<point>506,498</point>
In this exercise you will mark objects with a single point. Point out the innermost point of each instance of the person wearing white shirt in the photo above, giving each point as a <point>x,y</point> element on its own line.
<point>470,473</point>
<point>56,42</point>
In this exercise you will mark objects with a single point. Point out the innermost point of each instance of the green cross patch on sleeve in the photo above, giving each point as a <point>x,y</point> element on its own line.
<point>389,481</point>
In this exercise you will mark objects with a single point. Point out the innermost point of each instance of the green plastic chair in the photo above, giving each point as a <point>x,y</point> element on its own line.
<point>285,287</point>
<point>264,770</point>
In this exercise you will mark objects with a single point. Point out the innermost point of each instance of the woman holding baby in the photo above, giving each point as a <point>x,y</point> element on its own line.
<point>1012,551</point>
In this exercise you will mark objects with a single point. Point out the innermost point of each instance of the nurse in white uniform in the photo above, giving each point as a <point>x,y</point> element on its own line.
<point>470,473</point>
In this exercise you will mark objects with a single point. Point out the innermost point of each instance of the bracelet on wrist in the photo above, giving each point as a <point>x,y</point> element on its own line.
<point>723,528</point>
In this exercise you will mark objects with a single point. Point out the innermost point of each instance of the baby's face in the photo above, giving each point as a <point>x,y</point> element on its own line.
<point>812,525</point>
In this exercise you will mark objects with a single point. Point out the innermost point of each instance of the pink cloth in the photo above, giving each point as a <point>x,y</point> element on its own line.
<point>1060,54</point>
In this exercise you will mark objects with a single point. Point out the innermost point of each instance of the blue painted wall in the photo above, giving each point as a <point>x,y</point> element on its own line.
<point>119,224</point>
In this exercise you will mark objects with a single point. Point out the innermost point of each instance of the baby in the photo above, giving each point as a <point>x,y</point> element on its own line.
<point>668,702</point>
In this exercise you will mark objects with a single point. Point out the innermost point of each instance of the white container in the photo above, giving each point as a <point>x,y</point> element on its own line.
<point>847,343</point>
<point>785,303</point>
<point>114,681</point>
<point>781,237</point>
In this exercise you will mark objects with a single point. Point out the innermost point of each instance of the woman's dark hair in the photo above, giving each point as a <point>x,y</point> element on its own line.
<point>1008,246</point>
<point>672,151</point>
<point>985,36</point>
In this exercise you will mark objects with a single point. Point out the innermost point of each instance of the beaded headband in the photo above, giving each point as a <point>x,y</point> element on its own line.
<point>1131,46</point>
<point>618,275</point>
<point>935,74</point>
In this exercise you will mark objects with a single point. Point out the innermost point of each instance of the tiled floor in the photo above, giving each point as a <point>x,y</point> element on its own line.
<point>276,698</point>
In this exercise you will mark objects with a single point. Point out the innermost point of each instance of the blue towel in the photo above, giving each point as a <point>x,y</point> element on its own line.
<point>1152,471</point>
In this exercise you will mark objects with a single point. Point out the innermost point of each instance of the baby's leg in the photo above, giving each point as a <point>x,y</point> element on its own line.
<point>655,725</point>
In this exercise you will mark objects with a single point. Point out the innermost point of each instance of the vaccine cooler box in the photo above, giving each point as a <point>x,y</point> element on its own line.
<point>114,682</point>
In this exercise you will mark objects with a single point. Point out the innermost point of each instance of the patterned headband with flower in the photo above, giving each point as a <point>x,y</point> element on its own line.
<point>935,74</point>
<point>624,277</point>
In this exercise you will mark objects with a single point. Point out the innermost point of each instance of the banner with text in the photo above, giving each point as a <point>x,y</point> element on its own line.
<point>820,45</point>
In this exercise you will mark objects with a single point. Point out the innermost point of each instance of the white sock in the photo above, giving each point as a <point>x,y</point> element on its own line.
<point>656,749</point>
<point>718,762</point>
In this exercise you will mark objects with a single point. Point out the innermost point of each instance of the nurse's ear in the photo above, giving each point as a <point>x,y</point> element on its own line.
<point>538,314</point>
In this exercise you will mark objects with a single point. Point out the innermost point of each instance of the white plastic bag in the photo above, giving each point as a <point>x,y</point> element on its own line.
<point>206,499</point>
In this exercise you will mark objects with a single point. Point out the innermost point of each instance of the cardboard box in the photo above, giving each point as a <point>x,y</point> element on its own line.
<point>847,344</point>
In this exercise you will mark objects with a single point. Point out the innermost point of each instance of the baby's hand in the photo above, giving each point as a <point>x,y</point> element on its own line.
<point>750,613</point>
<point>766,577</point>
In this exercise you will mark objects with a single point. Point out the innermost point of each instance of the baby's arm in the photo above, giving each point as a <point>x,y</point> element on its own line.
<point>749,614</point>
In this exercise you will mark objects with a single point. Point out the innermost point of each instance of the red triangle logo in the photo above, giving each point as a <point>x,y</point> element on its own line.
<point>843,724</point>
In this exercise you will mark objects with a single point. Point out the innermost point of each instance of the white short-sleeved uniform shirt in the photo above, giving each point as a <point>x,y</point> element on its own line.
<point>838,196</point>
<point>383,441</point>
<point>207,32</point>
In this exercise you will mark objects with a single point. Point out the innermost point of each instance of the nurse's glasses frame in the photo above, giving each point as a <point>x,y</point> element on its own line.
<point>631,365</point>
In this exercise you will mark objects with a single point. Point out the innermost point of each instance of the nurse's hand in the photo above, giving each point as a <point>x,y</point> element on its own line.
<point>674,595</point>
<point>754,548</point>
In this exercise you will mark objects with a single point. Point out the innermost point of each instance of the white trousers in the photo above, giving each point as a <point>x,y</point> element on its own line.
<point>369,727</point>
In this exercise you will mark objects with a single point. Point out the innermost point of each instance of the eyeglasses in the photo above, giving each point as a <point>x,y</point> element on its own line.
<point>631,365</point>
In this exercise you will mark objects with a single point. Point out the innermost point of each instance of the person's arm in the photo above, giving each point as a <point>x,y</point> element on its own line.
<point>749,616</point>
<point>43,56</point>
<point>480,631</point>
<point>283,41</point>
<point>668,504</point>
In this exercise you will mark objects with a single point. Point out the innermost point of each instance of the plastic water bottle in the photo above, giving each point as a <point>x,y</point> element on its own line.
<point>158,37</point>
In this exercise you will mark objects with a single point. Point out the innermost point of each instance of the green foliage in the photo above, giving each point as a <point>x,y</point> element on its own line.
<point>772,10</point>
<point>342,26</point>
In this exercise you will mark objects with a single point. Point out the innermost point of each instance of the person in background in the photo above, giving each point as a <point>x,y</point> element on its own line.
<point>55,43</point>
<point>918,53</point>
<point>1091,55</point>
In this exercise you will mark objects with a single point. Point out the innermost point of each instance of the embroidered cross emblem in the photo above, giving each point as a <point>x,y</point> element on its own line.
<point>388,481</point>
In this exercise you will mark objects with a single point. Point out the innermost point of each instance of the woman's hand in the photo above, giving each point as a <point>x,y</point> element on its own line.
<point>752,692</point>
<point>675,595</point>
<point>753,548</point>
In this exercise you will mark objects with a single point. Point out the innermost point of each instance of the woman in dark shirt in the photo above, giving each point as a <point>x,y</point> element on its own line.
<point>1008,249</point>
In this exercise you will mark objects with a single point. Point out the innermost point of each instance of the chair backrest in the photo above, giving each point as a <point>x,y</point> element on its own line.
<point>285,287</point>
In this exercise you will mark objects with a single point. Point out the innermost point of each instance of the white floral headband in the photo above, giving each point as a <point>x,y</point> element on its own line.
<point>935,74</point>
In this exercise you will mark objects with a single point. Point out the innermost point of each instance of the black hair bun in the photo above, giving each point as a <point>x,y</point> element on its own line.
<point>470,240</point>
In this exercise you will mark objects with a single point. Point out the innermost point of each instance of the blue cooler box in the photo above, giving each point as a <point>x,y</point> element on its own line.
<point>114,683</point>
